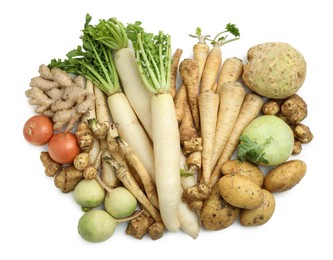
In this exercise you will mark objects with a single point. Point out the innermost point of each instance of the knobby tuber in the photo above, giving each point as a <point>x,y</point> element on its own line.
<point>58,96</point>
<point>51,167</point>
<point>67,179</point>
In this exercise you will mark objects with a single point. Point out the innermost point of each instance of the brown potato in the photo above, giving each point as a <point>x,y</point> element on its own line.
<point>260,215</point>
<point>240,191</point>
<point>245,168</point>
<point>216,213</point>
<point>285,176</point>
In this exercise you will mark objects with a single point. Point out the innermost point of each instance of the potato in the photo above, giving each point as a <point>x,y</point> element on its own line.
<point>274,70</point>
<point>245,168</point>
<point>285,176</point>
<point>216,213</point>
<point>260,215</point>
<point>240,191</point>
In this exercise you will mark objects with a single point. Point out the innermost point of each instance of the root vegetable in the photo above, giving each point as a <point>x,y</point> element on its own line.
<point>240,191</point>
<point>179,100</point>
<point>51,167</point>
<point>261,214</point>
<point>112,34</point>
<point>250,109</point>
<point>216,213</point>
<point>231,99</point>
<point>267,140</point>
<point>294,109</point>
<point>84,137</point>
<point>274,70</point>
<point>81,161</point>
<point>146,179</point>
<point>285,176</point>
<point>214,58</point>
<point>302,133</point>
<point>208,105</point>
<point>89,194</point>
<point>139,226</point>
<point>67,179</point>
<point>231,71</point>
<point>120,203</point>
<point>189,71</point>
<point>174,69</point>
<point>150,50</point>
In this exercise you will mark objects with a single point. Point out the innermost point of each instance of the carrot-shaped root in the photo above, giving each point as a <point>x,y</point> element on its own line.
<point>179,100</point>
<point>212,68</point>
<point>187,129</point>
<point>250,109</point>
<point>189,72</point>
<point>174,69</point>
<point>231,70</point>
<point>231,99</point>
<point>208,105</point>
<point>200,50</point>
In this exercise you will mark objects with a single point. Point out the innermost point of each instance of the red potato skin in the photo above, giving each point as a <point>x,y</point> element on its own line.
<point>38,130</point>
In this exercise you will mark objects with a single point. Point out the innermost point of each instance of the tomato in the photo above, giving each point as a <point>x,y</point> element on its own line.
<point>63,147</point>
<point>38,130</point>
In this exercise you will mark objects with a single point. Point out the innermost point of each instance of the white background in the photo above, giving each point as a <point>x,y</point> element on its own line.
<point>38,221</point>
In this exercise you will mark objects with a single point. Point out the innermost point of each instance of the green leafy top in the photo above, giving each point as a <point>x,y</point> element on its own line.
<point>229,29</point>
<point>201,38</point>
<point>153,54</point>
<point>252,151</point>
<point>111,33</point>
<point>93,60</point>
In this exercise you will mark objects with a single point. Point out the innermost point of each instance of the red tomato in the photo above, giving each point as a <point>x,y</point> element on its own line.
<point>63,147</point>
<point>38,130</point>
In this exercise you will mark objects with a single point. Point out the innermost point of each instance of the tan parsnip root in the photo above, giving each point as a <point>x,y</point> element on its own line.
<point>250,109</point>
<point>231,99</point>
<point>200,51</point>
<point>208,105</point>
<point>179,100</point>
<point>189,72</point>
<point>147,181</point>
<point>231,70</point>
<point>174,69</point>
<point>187,129</point>
<point>211,69</point>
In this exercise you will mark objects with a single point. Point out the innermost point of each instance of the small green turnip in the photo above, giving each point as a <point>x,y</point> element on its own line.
<point>120,203</point>
<point>89,194</point>
<point>96,226</point>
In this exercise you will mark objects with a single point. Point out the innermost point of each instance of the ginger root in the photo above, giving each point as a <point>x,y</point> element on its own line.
<point>60,97</point>
<point>51,167</point>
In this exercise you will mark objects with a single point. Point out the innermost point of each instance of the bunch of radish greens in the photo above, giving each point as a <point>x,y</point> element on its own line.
<point>136,82</point>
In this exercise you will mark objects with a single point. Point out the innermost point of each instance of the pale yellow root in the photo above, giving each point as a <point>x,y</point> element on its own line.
<point>187,129</point>
<point>189,72</point>
<point>250,109</point>
<point>174,69</point>
<point>211,69</point>
<point>231,70</point>
<point>208,105</point>
<point>179,100</point>
<point>231,99</point>
<point>200,53</point>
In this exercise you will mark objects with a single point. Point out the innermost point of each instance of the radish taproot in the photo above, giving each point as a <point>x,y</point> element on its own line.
<point>153,54</point>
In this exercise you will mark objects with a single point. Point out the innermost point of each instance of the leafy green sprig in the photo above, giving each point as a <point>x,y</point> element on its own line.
<point>93,60</point>
<point>153,54</point>
<point>251,150</point>
<point>222,37</point>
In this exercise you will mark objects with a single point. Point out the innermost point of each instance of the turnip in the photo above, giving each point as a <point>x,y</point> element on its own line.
<point>267,140</point>
<point>120,203</point>
<point>88,193</point>
<point>96,226</point>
